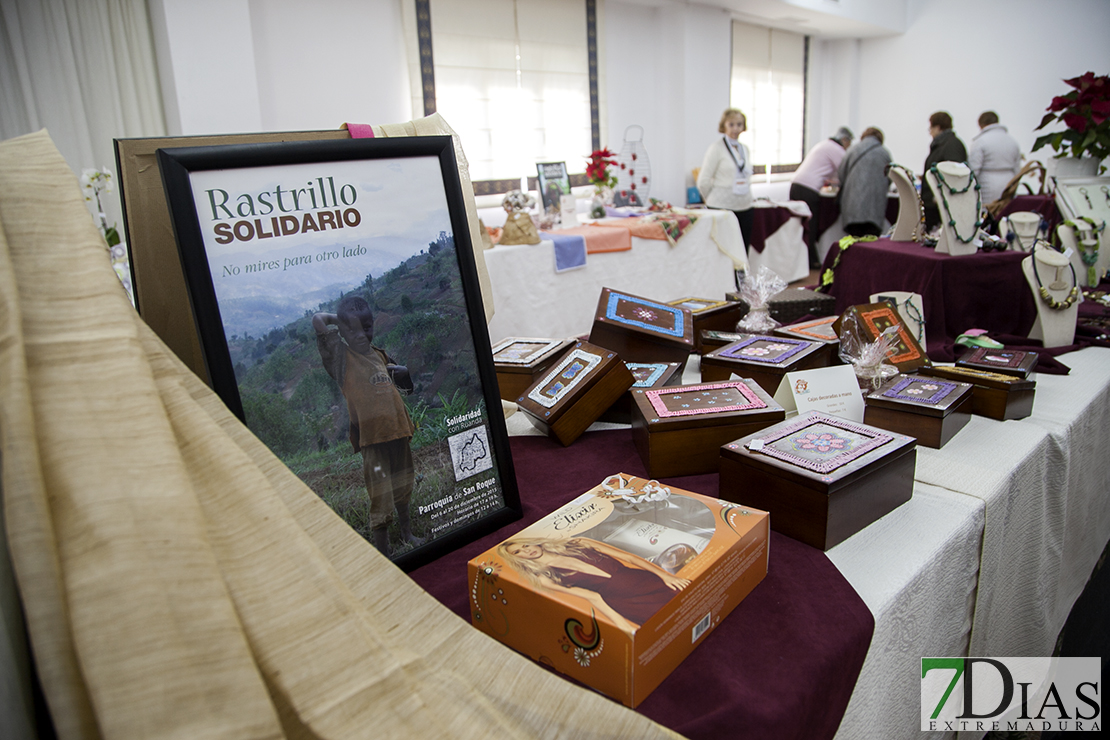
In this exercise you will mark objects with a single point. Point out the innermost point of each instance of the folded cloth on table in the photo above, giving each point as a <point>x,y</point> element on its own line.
<point>602,240</point>
<point>570,251</point>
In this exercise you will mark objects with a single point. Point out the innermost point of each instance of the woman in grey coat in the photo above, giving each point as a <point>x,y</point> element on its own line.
<point>864,185</point>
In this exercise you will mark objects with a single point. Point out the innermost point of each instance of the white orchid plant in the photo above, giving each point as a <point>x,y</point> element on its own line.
<point>93,183</point>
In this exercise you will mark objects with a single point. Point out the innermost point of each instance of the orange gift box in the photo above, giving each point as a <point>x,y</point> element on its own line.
<point>618,586</point>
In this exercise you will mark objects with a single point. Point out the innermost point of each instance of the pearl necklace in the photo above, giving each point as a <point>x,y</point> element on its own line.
<point>1073,294</point>
<point>978,201</point>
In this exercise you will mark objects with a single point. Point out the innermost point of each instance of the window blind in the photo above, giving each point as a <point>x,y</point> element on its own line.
<point>768,79</point>
<point>511,77</point>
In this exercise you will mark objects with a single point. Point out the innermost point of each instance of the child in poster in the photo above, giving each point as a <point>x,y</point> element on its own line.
<point>381,428</point>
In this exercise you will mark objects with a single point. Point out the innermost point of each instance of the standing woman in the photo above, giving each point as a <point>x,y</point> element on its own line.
<point>725,179</point>
<point>864,185</point>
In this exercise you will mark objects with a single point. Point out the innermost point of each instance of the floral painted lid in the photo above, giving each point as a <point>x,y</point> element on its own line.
<point>763,351</point>
<point>922,394</point>
<point>819,446</point>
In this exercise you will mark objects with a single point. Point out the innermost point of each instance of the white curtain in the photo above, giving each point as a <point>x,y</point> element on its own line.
<point>768,85</point>
<point>512,79</point>
<point>83,69</point>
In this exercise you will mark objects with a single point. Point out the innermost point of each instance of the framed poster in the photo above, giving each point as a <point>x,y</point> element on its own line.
<point>335,295</point>
<point>554,183</point>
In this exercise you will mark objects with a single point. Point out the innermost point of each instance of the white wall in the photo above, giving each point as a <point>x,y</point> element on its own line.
<point>238,66</point>
<point>667,70</point>
<point>966,56</point>
<point>278,65</point>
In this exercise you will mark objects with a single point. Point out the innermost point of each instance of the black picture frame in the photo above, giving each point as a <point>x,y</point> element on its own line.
<point>271,237</point>
<point>552,176</point>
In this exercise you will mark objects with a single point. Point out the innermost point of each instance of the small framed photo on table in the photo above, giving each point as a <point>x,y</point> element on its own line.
<point>334,289</point>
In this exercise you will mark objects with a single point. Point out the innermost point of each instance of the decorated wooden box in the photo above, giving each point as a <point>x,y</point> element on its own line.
<point>931,409</point>
<point>792,304</point>
<point>618,586</point>
<point>711,339</point>
<point>646,375</point>
<point>710,315</point>
<point>821,477</point>
<point>576,391</point>
<point>680,430</point>
<point>874,318</point>
<point>1005,361</point>
<point>993,395</point>
<point>519,361</point>
<point>815,330</point>
<point>642,330</point>
<point>762,358</point>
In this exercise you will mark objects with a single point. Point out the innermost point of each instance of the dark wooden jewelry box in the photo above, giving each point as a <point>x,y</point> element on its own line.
<point>815,330</point>
<point>575,392</point>
<point>823,478</point>
<point>762,358</point>
<point>647,375</point>
<point>680,430</point>
<point>519,361</point>
<point>993,395</point>
<point>710,315</point>
<point>642,330</point>
<point>791,304</point>
<point>874,318</point>
<point>1006,361</point>
<point>711,339</point>
<point>930,409</point>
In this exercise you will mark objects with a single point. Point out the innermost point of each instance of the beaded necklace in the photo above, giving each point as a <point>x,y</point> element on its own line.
<point>978,201</point>
<point>913,314</point>
<point>1090,258</point>
<point>1073,294</point>
<point>920,206</point>
<point>830,274</point>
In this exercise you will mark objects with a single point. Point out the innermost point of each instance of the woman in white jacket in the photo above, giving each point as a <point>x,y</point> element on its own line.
<point>725,179</point>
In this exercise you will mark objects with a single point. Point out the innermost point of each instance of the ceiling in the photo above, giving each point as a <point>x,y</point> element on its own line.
<point>819,18</point>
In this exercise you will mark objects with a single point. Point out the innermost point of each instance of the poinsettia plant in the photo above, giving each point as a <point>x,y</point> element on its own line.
<point>1085,111</point>
<point>598,172</point>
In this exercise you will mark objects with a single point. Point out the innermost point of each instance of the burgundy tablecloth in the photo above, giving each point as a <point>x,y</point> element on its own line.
<point>1042,204</point>
<point>829,211</point>
<point>782,665</point>
<point>767,221</point>
<point>986,290</point>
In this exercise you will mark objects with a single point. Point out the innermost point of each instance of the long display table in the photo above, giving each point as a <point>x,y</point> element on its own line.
<point>1006,523</point>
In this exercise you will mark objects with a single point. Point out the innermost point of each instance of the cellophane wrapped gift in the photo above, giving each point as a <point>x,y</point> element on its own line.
<point>757,289</point>
<point>867,357</point>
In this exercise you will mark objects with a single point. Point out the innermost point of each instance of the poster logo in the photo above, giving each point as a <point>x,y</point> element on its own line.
<point>1011,694</point>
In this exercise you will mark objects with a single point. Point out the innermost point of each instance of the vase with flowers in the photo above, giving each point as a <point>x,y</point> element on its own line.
<point>93,183</point>
<point>1085,111</point>
<point>601,176</point>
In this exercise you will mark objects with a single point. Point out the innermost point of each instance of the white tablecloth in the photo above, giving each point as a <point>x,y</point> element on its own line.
<point>784,251</point>
<point>1006,524</point>
<point>531,300</point>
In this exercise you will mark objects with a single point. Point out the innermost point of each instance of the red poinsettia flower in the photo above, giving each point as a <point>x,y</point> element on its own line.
<point>1100,110</point>
<point>1060,102</point>
<point>1074,121</point>
<point>1082,81</point>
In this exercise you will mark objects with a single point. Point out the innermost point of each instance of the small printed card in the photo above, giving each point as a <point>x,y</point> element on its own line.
<point>830,390</point>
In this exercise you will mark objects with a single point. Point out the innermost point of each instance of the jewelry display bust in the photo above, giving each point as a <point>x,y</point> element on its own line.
<point>911,212</point>
<point>1056,293</point>
<point>1021,229</point>
<point>957,197</point>
<point>1083,237</point>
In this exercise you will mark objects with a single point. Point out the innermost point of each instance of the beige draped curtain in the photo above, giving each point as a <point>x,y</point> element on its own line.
<point>176,578</point>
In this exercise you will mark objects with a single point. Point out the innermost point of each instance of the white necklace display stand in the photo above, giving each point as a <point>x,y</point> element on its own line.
<point>1056,327</point>
<point>1082,242</point>
<point>963,208</point>
<point>910,308</point>
<point>908,227</point>
<point>1024,225</point>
